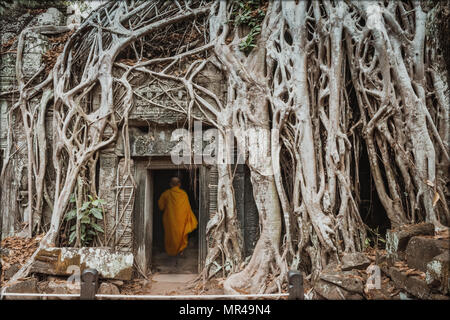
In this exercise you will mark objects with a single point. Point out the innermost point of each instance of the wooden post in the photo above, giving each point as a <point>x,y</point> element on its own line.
<point>89,284</point>
<point>295,280</point>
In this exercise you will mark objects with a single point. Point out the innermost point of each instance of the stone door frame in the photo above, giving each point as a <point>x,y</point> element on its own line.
<point>143,209</point>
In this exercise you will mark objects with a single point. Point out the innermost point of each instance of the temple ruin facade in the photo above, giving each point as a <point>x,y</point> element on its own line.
<point>132,220</point>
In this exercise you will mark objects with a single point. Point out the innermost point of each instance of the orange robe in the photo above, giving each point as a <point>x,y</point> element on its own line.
<point>178,219</point>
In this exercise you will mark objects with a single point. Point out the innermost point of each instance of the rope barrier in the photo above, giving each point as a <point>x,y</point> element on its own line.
<point>151,297</point>
<point>13,294</point>
<point>182,297</point>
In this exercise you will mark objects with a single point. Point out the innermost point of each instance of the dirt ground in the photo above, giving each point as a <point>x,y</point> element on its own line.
<point>173,276</point>
<point>172,284</point>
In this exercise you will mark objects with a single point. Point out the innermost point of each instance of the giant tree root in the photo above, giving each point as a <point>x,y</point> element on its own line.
<point>324,75</point>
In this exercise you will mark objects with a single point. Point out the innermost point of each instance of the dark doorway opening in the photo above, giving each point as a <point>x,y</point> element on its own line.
<point>161,261</point>
<point>372,211</point>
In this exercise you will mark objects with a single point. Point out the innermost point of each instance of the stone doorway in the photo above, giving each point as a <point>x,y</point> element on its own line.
<point>152,176</point>
<point>161,262</point>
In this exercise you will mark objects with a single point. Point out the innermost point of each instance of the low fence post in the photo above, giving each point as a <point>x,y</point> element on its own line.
<point>89,284</point>
<point>295,281</point>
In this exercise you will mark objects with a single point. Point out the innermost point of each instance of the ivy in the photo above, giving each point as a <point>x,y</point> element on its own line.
<point>90,212</point>
<point>249,13</point>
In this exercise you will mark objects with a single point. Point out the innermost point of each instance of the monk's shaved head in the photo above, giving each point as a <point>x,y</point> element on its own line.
<point>175,182</point>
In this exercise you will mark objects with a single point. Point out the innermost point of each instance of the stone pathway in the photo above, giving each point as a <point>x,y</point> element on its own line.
<point>166,284</point>
<point>186,263</point>
<point>176,278</point>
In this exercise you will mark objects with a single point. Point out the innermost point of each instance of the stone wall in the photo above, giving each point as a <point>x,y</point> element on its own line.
<point>14,195</point>
<point>152,121</point>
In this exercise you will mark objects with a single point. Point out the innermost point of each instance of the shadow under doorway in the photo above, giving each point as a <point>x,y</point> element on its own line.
<point>371,209</point>
<point>161,261</point>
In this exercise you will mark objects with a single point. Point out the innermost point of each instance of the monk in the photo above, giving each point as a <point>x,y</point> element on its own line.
<point>178,218</point>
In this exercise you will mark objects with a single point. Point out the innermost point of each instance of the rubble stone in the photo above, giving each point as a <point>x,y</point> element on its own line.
<point>50,17</point>
<point>330,291</point>
<point>118,283</point>
<point>397,240</point>
<point>60,287</point>
<point>421,250</point>
<point>63,261</point>
<point>8,273</point>
<point>355,260</point>
<point>25,286</point>
<point>340,285</point>
<point>108,288</point>
<point>348,280</point>
<point>438,270</point>
<point>412,284</point>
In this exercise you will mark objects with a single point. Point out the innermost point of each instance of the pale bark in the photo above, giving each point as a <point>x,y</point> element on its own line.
<point>289,103</point>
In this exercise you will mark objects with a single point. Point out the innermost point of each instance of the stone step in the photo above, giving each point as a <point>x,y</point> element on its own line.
<point>174,278</point>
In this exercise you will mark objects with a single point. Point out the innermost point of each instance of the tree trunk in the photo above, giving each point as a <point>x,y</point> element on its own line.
<point>304,87</point>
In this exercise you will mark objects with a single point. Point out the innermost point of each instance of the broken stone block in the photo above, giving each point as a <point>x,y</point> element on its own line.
<point>340,285</point>
<point>66,261</point>
<point>377,294</point>
<point>438,270</point>
<point>25,286</point>
<point>50,17</point>
<point>411,284</point>
<point>348,280</point>
<point>108,288</point>
<point>60,287</point>
<point>355,260</point>
<point>63,287</point>
<point>421,250</point>
<point>436,296</point>
<point>331,291</point>
<point>397,239</point>
<point>118,283</point>
<point>8,273</point>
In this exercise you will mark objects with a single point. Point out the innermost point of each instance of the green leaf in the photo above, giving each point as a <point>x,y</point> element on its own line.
<point>96,212</point>
<point>97,227</point>
<point>72,228</point>
<point>85,206</point>
<point>85,220</point>
<point>95,203</point>
<point>72,237</point>
<point>72,198</point>
<point>92,232</point>
<point>70,215</point>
